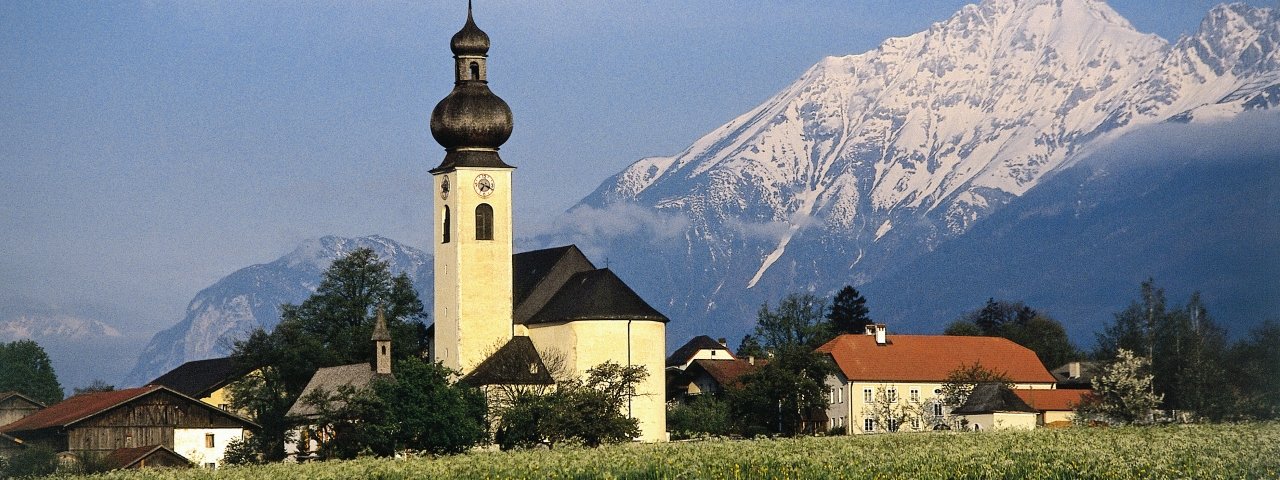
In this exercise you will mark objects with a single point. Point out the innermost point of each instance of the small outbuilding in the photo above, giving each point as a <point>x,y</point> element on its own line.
<point>992,406</point>
<point>150,456</point>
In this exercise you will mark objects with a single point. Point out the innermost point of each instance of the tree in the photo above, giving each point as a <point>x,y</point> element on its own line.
<point>1252,364</point>
<point>783,395</point>
<point>960,382</point>
<point>849,312</point>
<point>750,347</point>
<point>705,416</point>
<point>332,327</point>
<point>420,410</point>
<point>27,370</point>
<point>1021,324</point>
<point>887,411</point>
<point>588,411</point>
<point>1185,346</point>
<point>98,385</point>
<point>33,461</point>
<point>1122,392</point>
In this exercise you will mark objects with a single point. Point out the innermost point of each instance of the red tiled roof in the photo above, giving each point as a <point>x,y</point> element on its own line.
<point>77,408</point>
<point>127,457</point>
<point>1055,400</point>
<point>930,358</point>
<point>725,372</point>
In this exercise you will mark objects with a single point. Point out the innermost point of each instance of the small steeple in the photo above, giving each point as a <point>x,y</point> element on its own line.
<point>381,345</point>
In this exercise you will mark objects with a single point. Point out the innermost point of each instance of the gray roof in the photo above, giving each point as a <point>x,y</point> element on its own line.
<point>516,363</point>
<point>595,295</point>
<point>200,378</point>
<point>686,352</point>
<point>990,398</point>
<point>539,274</point>
<point>358,375</point>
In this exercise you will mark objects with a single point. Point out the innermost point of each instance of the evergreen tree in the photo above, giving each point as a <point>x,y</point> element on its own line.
<point>27,370</point>
<point>849,312</point>
<point>1251,368</point>
<point>1022,325</point>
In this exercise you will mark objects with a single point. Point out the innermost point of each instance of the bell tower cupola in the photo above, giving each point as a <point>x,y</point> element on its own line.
<point>472,227</point>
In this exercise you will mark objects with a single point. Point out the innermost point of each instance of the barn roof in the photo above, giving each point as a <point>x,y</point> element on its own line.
<point>81,407</point>
<point>595,295</point>
<point>686,352</point>
<point>1052,400</point>
<point>200,378</point>
<point>516,363</point>
<point>990,398</point>
<point>931,358</point>
<point>357,375</point>
<point>128,457</point>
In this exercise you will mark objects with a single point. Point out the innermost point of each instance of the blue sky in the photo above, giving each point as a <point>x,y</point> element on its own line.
<point>150,148</point>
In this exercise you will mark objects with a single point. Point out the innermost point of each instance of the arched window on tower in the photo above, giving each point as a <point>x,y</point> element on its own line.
<point>445,230</point>
<point>484,222</point>
<point>475,70</point>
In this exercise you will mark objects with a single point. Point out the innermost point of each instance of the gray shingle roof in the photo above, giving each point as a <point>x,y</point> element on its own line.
<point>199,378</point>
<point>516,363</point>
<point>358,375</point>
<point>595,295</point>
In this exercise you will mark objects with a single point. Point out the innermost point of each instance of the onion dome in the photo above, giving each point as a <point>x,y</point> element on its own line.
<point>471,40</point>
<point>471,122</point>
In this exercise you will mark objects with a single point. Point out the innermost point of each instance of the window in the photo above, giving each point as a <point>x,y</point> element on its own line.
<point>866,395</point>
<point>484,222</point>
<point>915,394</point>
<point>831,395</point>
<point>445,229</point>
<point>868,425</point>
<point>893,424</point>
<point>384,349</point>
<point>475,71</point>
<point>208,440</point>
<point>839,394</point>
<point>915,423</point>
<point>937,409</point>
<point>211,466</point>
<point>892,394</point>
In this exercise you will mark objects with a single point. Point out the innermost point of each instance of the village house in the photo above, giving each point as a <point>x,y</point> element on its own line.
<point>703,366</point>
<point>878,373</point>
<point>992,406</point>
<point>101,423</point>
<point>153,456</point>
<point>207,380</point>
<point>574,315</point>
<point>1054,408</point>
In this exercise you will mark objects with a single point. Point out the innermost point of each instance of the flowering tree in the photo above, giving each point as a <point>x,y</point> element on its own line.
<point>1122,393</point>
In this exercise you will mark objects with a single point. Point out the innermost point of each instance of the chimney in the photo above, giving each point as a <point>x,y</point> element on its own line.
<point>880,334</point>
<point>870,329</point>
<point>1073,370</point>
<point>751,359</point>
<point>724,342</point>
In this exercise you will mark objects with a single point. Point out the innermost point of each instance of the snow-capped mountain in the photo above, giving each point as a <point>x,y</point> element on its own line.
<point>868,161</point>
<point>66,335</point>
<point>59,326</point>
<point>250,298</point>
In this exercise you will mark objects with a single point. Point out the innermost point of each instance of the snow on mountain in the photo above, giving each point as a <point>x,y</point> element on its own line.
<point>250,298</point>
<point>57,326</point>
<point>868,161</point>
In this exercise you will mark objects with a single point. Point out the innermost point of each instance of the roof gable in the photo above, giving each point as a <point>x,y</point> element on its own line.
<point>19,397</point>
<point>82,407</point>
<point>516,363</point>
<point>200,378</point>
<point>990,398</point>
<point>724,372</point>
<point>931,358</point>
<point>686,352</point>
<point>595,295</point>
<point>131,457</point>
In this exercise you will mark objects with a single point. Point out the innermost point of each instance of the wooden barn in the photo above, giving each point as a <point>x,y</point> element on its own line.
<point>14,406</point>
<point>103,422</point>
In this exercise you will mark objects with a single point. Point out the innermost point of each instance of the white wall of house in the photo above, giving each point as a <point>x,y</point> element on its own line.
<point>1002,421</point>
<point>205,447</point>
<point>707,354</point>
<point>853,403</point>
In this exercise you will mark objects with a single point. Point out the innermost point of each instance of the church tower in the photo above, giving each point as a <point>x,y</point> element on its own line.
<point>472,233</point>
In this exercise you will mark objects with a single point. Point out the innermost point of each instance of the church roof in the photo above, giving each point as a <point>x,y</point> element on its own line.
<point>990,398</point>
<point>531,269</point>
<point>200,378</point>
<point>357,375</point>
<point>516,363</point>
<point>595,295</point>
<point>686,352</point>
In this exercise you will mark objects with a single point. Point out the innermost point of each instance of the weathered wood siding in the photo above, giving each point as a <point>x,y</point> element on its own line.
<point>149,420</point>
<point>14,408</point>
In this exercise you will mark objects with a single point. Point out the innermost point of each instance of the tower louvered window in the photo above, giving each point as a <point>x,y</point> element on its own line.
<point>484,222</point>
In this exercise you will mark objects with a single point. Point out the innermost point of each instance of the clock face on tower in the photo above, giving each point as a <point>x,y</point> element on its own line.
<point>484,185</point>
<point>444,189</point>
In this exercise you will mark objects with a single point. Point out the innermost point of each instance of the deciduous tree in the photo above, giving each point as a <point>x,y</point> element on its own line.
<point>27,370</point>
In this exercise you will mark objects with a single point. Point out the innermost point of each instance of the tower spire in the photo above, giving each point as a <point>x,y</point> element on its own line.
<point>471,122</point>
<point>381,345</point>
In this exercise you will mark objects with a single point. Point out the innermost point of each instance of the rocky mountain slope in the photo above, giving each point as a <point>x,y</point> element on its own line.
<point>250,298</point>
<point>869,161</point>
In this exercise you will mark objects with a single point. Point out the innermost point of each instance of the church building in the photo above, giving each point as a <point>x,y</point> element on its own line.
<point>495,308</point>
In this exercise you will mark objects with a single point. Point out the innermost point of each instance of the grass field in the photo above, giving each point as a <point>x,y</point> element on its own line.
<point>1182,451</point>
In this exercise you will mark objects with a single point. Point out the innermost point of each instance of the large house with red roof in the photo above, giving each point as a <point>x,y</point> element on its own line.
<point>894,382</point>
<point>105,423</point>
